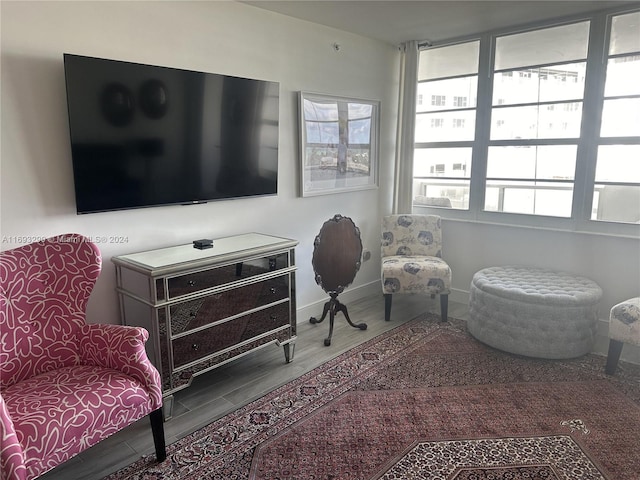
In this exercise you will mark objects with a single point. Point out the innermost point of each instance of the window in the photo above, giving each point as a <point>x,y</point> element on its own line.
<point>535,127</point>
<point>616,194</point>
<point>555,139</point>
<point>451,71</point>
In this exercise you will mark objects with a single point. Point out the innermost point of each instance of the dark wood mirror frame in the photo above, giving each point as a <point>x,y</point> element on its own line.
<point>337,257</point>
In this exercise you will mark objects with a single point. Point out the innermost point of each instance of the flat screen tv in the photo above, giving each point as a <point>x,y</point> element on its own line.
<point>145,135</point>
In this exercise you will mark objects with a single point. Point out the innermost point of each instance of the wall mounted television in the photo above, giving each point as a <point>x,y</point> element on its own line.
<point>144,135</point>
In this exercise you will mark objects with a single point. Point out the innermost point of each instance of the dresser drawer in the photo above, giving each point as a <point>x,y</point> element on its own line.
<point>203,343</point>
<point>192,314</point>
<point>197,281</point>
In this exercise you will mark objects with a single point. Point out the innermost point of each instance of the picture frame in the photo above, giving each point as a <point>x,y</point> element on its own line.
<point>339,144</point>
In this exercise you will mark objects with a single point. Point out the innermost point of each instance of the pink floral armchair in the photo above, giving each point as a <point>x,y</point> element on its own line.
<point>65,384</point>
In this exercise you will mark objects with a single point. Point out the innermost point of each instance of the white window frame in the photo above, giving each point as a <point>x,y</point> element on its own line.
<point>580,220</point>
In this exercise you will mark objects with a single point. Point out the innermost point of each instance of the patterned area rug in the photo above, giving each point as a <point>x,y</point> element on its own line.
<point>424,401</point>
<point>550,458</point>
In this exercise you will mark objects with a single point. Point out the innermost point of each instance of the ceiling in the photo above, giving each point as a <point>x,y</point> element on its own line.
<point>396,21</point>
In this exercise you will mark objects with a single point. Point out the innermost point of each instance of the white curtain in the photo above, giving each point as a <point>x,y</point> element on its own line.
<point>402,195</point>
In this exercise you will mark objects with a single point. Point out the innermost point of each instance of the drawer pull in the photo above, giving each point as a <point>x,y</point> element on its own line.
<point>192,283</point>
<point>274,317</point>
<point>273,290</point>
<point>195,346</point>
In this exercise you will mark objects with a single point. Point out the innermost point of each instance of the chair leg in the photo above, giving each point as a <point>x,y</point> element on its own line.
<point>444,307</point>
<point>615,349</point>
<point>157,429</point>
<point>387,306</point>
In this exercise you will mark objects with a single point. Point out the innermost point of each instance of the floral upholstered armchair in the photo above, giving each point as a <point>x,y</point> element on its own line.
<point>65,384</point>
<point>412,259</point>
<point>624,327</point>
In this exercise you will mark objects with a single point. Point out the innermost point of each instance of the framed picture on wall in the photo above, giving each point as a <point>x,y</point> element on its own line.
<point>338,144</point>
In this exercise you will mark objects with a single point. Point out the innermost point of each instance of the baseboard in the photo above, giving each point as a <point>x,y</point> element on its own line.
<point>459,296</point>
<point>630,353</point>
<point>356,293</point>
<point>350,295</point>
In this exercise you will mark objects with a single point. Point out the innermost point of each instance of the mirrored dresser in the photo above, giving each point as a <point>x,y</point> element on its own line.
<point>206,307</point>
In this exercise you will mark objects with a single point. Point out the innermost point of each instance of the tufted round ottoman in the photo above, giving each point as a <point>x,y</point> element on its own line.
<point>534,312</point>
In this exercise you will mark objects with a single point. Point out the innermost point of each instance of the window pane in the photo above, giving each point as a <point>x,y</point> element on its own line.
<point>321,111</point>
<point>323,128</point>
<point>540,47</point>
<point>544,84</point>
<point>434,192</point>
<point>517,200</point>
<point>447,94</point>
<point>321,158</point>
<point>554,202</point>
<point>621,117</point>
<point>624,34</point>
<point>359,110</point>
<point>360,131</point>
<point>320,132</point>
<point>618,163</point>
<point>562,82</point>
<point>450,61</point>
<point>513,123</point>
<point>514,87</point>
<point>560,120</point>
<point>358,161</point>
<point>552,162</point>
<point>445,126</point>
<point>616,203</point>
<point>533,198</point>
<point>443,162</point>
<point>623,74</point>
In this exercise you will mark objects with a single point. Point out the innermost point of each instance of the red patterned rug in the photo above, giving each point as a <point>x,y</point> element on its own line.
<point>424,401</point>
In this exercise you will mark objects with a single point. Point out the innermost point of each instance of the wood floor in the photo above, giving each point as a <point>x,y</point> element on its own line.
<point>231,386</point>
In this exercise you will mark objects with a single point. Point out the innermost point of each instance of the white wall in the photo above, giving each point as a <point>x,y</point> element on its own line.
<point>612,262</point>
<point>37,197</point>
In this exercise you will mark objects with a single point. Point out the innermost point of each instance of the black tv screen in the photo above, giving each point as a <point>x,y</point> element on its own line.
<point>145,135</point>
